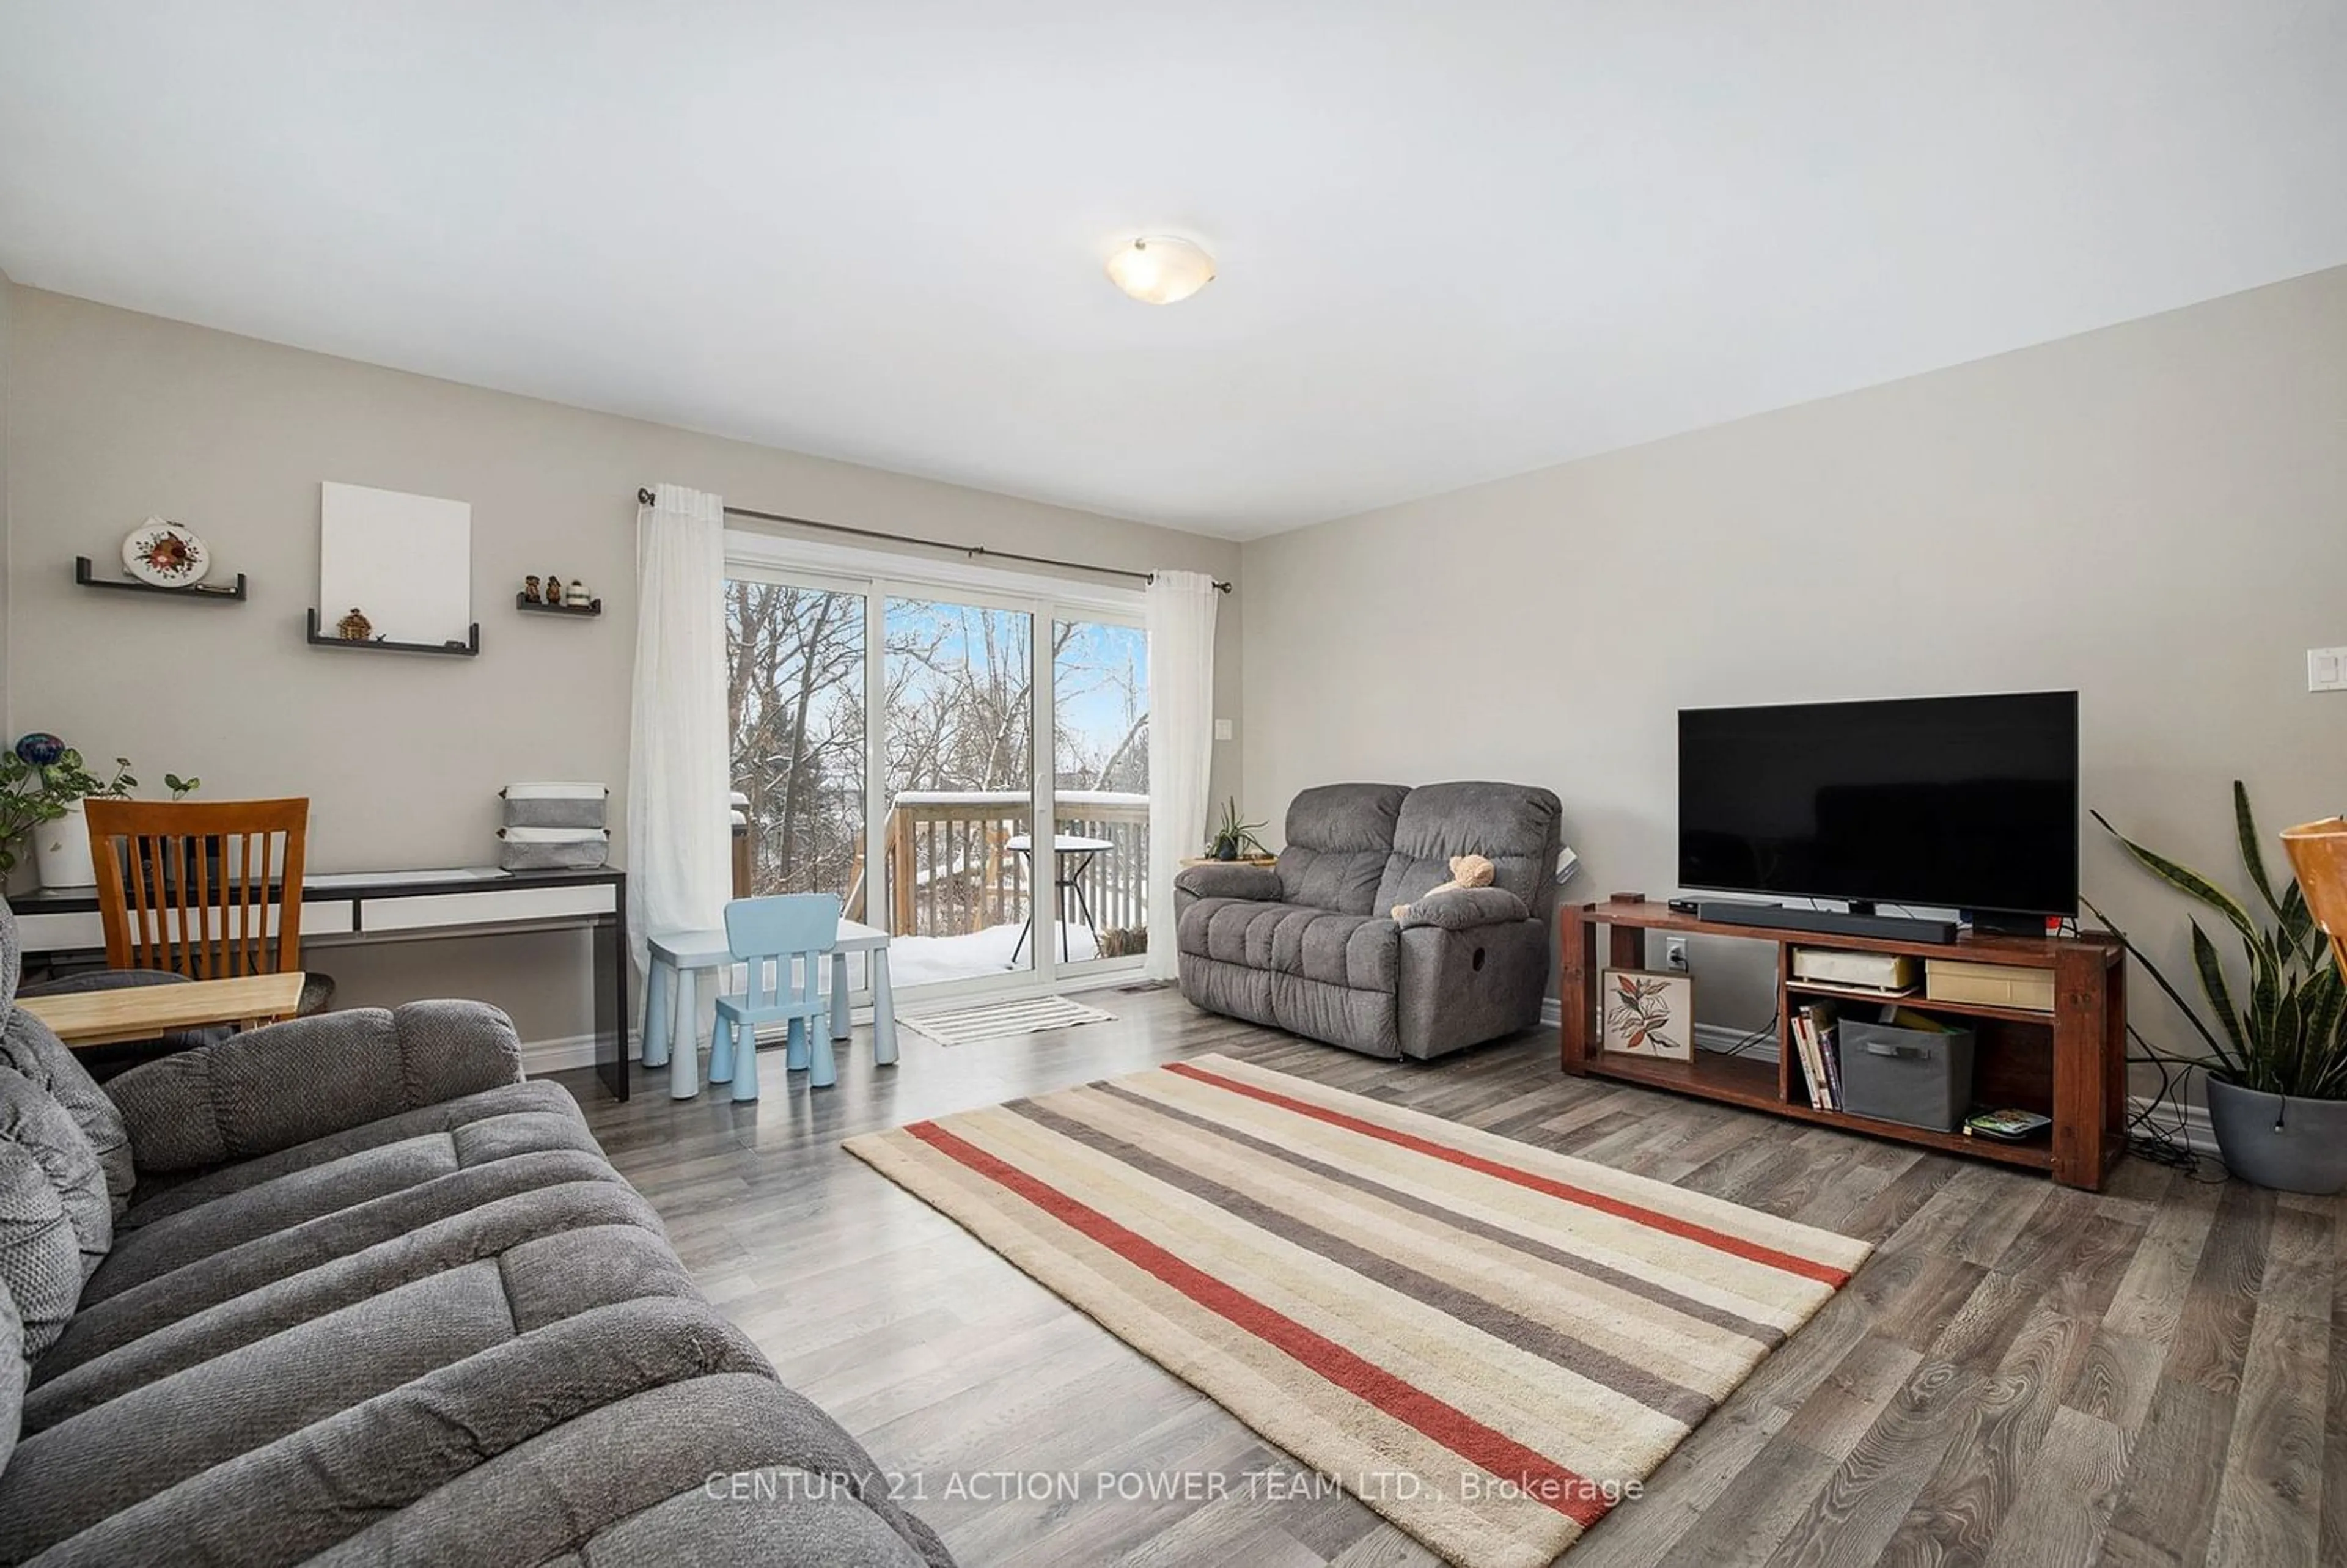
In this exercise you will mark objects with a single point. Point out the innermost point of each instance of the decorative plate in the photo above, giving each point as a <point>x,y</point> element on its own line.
<point>166,555</point>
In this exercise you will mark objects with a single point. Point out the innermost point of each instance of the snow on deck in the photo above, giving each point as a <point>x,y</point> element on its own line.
<point>923,960</point>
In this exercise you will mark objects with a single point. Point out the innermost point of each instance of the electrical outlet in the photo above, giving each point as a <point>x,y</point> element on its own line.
<point>1221,729</point>
<point>2326,668</point>
<point>1674,953</point>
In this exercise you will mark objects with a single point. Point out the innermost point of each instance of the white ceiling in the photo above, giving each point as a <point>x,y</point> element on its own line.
<point>1458,241</point>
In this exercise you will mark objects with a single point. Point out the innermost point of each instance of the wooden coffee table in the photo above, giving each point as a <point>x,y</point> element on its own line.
<point>142,1012</point>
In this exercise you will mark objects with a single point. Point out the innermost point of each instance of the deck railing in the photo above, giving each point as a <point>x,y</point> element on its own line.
<point>951,871</point>
<point>963,876</point>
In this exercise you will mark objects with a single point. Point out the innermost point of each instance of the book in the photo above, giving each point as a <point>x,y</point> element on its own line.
<point>1813,1069</point>
<point>2006,1126</point>
<point>1823,1027</point>
<point>1797,1039</point>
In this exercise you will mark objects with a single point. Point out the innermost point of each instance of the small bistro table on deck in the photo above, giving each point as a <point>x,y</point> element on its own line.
<point>1065,846</point>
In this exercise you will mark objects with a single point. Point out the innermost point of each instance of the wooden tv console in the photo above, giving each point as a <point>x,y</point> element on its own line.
<point>2069,1064</point>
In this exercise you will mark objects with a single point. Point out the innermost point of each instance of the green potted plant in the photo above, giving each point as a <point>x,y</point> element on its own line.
<point>25,805</point>
<point>2277,1054</point>
<point>49,795</point>
<point>1233,839</point>
<point>42,785</point>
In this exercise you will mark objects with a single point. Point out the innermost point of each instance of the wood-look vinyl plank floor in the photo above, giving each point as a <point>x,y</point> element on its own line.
<point>2022,1377</point>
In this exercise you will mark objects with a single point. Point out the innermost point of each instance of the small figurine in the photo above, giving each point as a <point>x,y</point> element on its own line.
<point>354,627</point>
<point>554,590</point>
<point>576,594</point>
<point>530,592</point>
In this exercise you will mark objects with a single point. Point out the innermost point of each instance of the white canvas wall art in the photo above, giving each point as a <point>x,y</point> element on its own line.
<point>405,561</point>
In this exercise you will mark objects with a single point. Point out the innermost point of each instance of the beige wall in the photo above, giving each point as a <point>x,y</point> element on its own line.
<point>2155,514</point>
<point>115,416</point>
<point>8,309</point>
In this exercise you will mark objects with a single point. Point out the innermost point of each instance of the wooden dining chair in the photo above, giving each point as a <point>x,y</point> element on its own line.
<point>209,890</point>
<point>2318,853</point>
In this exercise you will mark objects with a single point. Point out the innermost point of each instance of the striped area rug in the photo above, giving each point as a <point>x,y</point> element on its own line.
<point>1000,1020</point>
<point>1486,1342</point>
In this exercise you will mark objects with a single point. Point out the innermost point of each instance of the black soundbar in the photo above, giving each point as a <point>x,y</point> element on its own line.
<point>1829,922</point>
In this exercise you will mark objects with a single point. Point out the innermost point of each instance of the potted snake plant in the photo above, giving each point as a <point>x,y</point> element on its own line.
<point>1234,839</point>
<point>2275,1020</point>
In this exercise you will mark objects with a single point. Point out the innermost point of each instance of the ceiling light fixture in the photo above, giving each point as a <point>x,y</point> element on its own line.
<point>1161,270</point>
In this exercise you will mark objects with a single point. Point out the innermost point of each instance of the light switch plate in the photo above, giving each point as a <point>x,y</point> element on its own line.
<point>2326,668</point>
<point>1221,729</point>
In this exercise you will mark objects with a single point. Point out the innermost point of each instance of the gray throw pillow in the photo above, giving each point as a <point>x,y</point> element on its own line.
<point>33,1122</point>
<point>40,1261</point>
<point>29,1047</point>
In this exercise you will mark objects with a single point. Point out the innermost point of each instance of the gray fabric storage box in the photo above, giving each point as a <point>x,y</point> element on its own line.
<point>1915,1076</point>
<point>555,804</point>
<point>553,848</point>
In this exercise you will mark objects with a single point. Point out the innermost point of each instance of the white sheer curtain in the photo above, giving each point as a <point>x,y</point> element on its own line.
<point>678,776</point>
<point>1181,619</point>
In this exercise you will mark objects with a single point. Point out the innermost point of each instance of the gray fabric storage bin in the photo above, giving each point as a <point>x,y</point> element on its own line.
<point>553,848</point>
<point>1914,1076</point>
<point>578,805</point>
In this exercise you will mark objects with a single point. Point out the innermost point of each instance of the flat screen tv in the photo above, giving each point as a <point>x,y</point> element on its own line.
<point>1966,803</point>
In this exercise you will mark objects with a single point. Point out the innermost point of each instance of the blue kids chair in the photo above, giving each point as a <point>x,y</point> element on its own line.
<point>794,932</point>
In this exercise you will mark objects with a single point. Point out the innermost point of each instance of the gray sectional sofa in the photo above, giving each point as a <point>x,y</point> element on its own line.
<point>347,1289</point>
<point>1310,946</point>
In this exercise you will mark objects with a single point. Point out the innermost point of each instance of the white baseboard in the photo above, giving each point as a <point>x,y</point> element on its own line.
<point>566,1052</point>
<point>1727,1036</point>
<point>2189,1123</point>
<point>560,1055</point>
<point>1707,1036</point>
<point>571,1051</point>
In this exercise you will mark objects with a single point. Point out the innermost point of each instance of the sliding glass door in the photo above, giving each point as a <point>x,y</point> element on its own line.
<point>796,708</point>
<point>896,743</point>
<point>961,794</point>
<point>795,702</point>
<point>1100,779</point>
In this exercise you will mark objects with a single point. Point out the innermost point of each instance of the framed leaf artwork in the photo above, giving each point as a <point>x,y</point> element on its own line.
<point>1648,1013</point>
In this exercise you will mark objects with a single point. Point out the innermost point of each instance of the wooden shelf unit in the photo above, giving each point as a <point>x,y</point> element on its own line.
<point>2069,1064</point>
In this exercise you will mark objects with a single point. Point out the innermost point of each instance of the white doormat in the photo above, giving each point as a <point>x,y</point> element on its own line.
<point>1000,1021</point>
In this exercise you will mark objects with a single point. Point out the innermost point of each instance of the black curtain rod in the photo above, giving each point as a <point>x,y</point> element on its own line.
<point>645,499</point>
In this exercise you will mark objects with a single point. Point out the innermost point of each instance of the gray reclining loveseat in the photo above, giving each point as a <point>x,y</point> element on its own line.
<point>1310,946</point>
<point>348,1289</point>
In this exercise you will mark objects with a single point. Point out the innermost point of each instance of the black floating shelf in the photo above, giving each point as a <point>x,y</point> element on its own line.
<point>593,608</point>
<point>461,649</point>
<point>87,577</point>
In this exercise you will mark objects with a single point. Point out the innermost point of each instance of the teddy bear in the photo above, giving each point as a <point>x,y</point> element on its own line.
<point>1466,871</point>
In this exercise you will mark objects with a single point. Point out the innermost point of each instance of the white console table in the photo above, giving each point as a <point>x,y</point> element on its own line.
<point>349,906</point>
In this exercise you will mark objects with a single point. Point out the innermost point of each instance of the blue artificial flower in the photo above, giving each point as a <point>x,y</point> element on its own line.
<point>40,748</point>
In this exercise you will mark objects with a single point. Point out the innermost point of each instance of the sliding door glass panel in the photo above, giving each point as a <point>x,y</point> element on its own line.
<point>794,702</point>
<point>958,743</point>
<point>1100,772</point>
